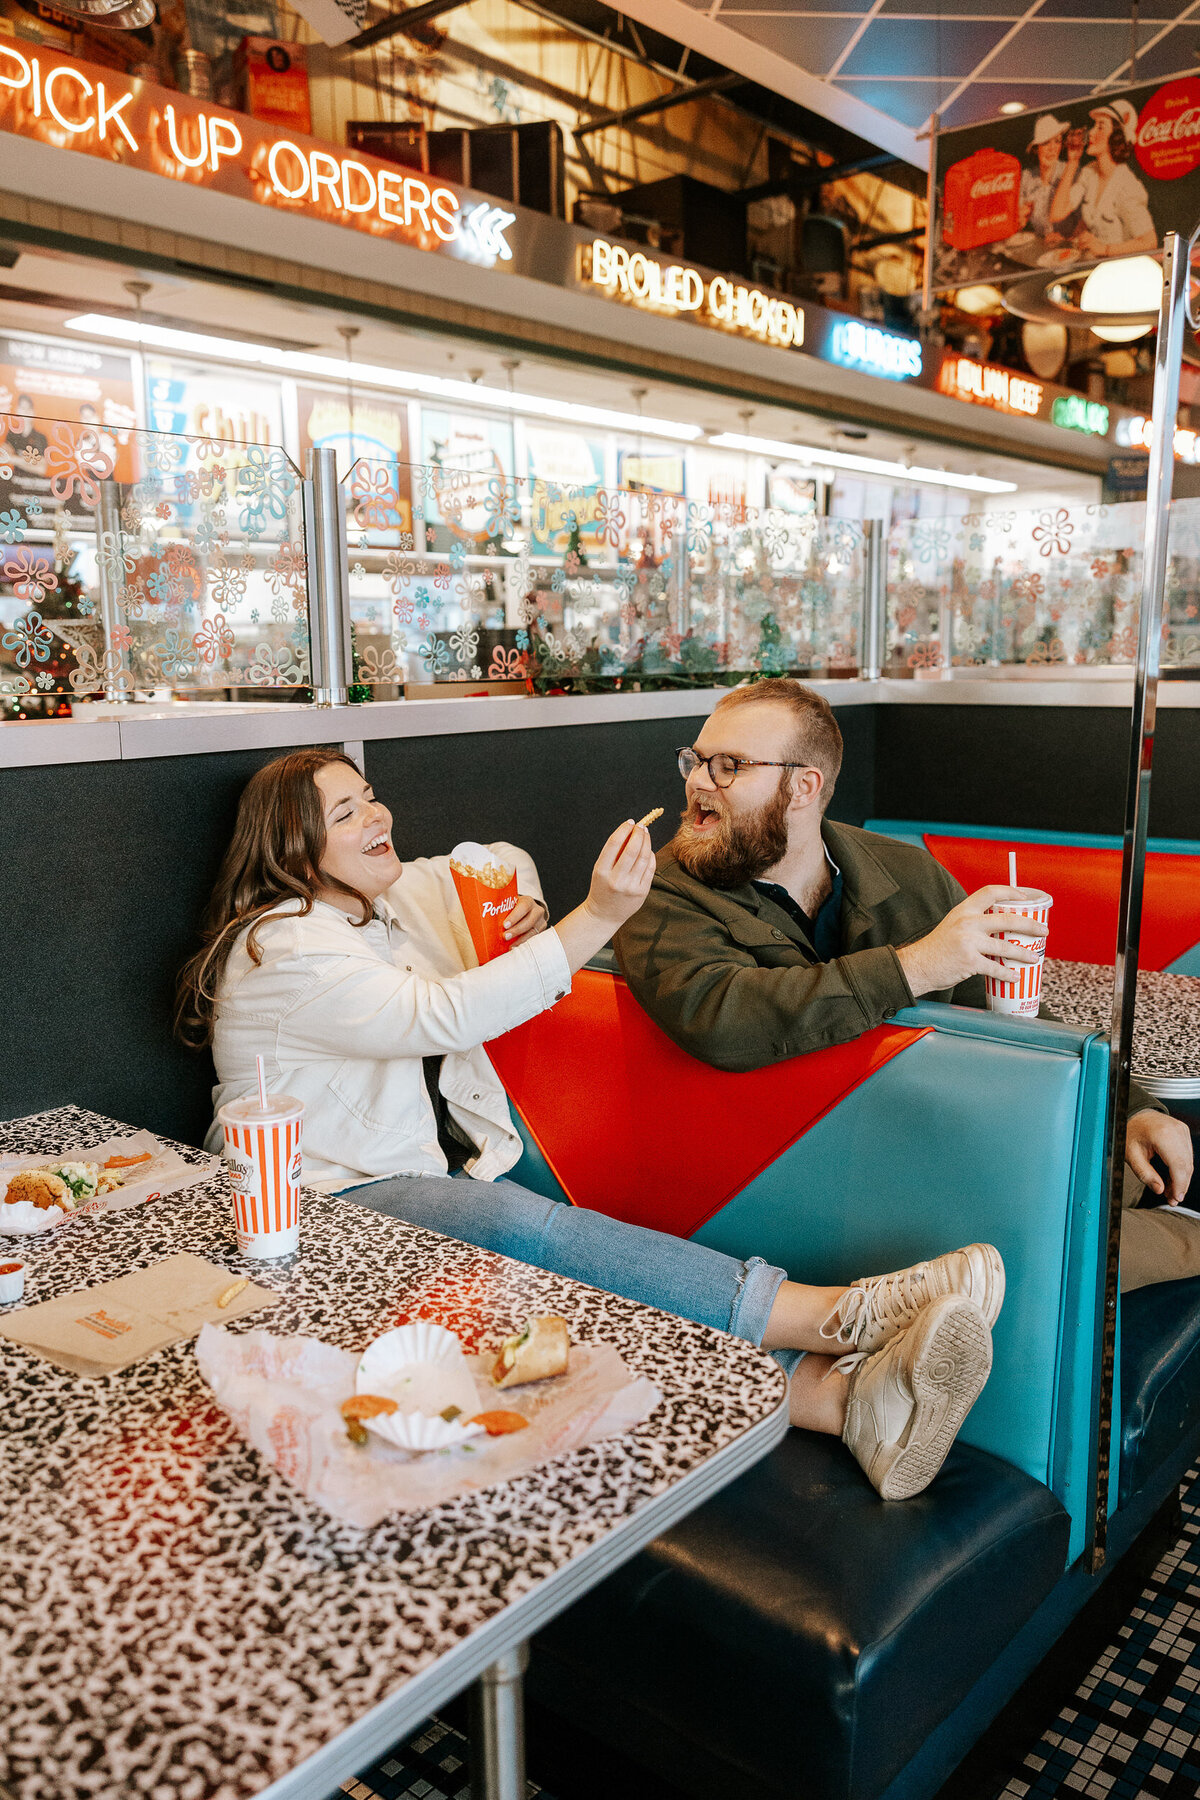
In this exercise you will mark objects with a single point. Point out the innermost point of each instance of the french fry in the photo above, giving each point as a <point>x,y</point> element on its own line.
<point>232,1291</point>
<point>368,1406</point>
<point>655,813</point>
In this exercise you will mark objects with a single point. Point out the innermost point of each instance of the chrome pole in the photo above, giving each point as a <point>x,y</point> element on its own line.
<point>498,1729</point>
<point>108,543</point>
<point>328,579</point>
<point>873,628</point>
<point>1172,318</point>
<point>930,220</point>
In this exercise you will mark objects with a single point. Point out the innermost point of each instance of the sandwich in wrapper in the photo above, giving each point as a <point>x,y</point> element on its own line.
<point>65,1184</point>
<point>535,1354</point>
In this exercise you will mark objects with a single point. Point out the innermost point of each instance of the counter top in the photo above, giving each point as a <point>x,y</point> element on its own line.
<point>135,732</point>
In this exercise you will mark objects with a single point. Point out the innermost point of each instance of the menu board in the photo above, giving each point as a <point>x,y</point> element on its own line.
<point>194,400</point>
<point>1105,176</point>
<point>566,473</point>
<point>49,379</point>
<point>469,495</point>
<point>372,451</point>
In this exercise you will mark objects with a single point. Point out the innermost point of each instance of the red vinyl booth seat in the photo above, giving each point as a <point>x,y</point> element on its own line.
<point>634,1127</point>
<point>1085,883</point>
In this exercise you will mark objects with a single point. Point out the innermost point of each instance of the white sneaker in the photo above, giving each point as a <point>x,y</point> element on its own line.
<point>907,1402</point>
<point>874,1309</point>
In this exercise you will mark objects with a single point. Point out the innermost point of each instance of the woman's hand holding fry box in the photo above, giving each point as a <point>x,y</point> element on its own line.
<point>527,918</point>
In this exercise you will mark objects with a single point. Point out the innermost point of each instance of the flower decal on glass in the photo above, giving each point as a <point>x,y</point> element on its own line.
<point>77,462</point>
<point>464,643</point>
<point>12,527</point>
<point>176,656</point>
<point>272,667</point>
<point>500,508</point>
<point>375,491</point>
<point>214,639</point>
<point>610,518</point>
<point>32,574</point>
<point>1054,531</point>
<point>435,654</point>
<point>508,665</point>
<point>28,638</point>
<point>266,482</point>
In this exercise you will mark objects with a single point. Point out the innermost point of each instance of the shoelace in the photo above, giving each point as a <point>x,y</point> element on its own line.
<point>883,1300</point>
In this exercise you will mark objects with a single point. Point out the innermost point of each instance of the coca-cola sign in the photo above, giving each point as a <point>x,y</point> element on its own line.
<point>994,184</point>
<point>1168,138</point>
<point>1067,186</point>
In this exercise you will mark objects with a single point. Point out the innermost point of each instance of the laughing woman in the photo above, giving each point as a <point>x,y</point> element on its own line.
<point>354,978</point>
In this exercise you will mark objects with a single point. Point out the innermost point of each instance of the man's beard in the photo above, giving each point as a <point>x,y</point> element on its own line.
<point>738,849</point>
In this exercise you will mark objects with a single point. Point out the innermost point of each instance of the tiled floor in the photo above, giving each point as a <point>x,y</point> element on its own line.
<point>431,1765</point>
<point>1132,1728</point>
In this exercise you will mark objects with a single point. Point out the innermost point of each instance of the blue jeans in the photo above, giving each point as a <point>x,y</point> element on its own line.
<point>648,1266</point>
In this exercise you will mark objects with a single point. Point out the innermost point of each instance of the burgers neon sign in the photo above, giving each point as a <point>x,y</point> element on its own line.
<point>76,106</point>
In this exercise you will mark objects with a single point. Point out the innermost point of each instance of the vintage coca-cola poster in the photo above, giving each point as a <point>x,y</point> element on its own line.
<point>1067,186</point>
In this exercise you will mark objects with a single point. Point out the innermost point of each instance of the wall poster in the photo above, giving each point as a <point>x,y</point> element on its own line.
<point>1106,176</point>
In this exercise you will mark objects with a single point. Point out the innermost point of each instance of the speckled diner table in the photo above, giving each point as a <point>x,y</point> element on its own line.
<point>1166,1023</point>
<point>177,1622</point>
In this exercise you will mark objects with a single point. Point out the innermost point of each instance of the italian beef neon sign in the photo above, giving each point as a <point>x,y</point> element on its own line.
<point>78,106</point>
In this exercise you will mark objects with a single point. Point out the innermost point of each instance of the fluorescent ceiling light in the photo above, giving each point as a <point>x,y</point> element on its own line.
<point>337,368</point>
<point>863,465</point>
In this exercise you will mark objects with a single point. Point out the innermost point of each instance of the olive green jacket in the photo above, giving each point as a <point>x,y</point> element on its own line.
<point>735,981</point>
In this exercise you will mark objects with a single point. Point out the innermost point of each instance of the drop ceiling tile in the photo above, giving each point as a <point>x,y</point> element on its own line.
<point>1175,55</point>
<point>813,44</point>
<point>982,100</point>
<point>1006,13</point>
<point>911,102</point>
<point>890,47</point>
<point>1088,51</point>
<point>1150,11</point>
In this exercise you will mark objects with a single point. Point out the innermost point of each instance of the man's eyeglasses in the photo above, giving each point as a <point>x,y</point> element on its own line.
<point>722,767</point>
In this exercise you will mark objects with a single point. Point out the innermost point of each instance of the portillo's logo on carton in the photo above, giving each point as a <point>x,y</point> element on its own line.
<point>676,288</point>
<point>79,106</point>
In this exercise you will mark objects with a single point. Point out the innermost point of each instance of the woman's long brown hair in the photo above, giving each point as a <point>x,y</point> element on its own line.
<point>274,855</point>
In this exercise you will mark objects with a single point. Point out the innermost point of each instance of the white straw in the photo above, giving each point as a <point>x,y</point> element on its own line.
<point>1012,876</point>
<point>262,1083</point>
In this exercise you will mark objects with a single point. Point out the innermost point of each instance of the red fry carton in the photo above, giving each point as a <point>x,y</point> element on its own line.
<point>487,892</point>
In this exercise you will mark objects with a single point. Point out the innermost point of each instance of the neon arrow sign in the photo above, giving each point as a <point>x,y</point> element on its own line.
<point>81,107</point>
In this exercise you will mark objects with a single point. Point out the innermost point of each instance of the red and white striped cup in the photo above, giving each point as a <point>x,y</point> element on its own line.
<point>1019,989</point>
<point>262,1159</point>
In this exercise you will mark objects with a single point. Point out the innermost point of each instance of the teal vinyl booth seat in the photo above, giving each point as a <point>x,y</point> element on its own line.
<point>779,1628</point>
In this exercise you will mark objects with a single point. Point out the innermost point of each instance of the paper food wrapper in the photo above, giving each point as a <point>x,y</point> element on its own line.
<point>283,1395</point>
<point>99,1330</point>
<point>165,1173</point>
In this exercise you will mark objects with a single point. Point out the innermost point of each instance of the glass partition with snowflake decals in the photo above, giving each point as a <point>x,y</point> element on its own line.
<point>459,574</point>
<point>1056,588</point>
<point>143,563</point>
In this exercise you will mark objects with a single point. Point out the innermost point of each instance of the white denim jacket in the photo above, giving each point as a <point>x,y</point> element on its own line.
<point>343,1014</point>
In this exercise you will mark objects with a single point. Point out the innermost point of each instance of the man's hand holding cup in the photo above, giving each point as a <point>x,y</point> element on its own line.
<point>967,942</point>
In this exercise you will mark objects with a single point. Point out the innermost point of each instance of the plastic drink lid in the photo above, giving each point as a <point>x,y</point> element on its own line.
<point>249,1112</point>
<point>1022,897</point>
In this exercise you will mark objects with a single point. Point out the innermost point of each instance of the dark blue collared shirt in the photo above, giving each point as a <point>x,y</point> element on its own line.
<point>824,932</point>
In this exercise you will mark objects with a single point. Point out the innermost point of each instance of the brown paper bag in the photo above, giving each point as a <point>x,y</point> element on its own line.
<point>98,1330</point>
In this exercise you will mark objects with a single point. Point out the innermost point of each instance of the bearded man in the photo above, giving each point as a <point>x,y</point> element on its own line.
<point>770,931</point>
